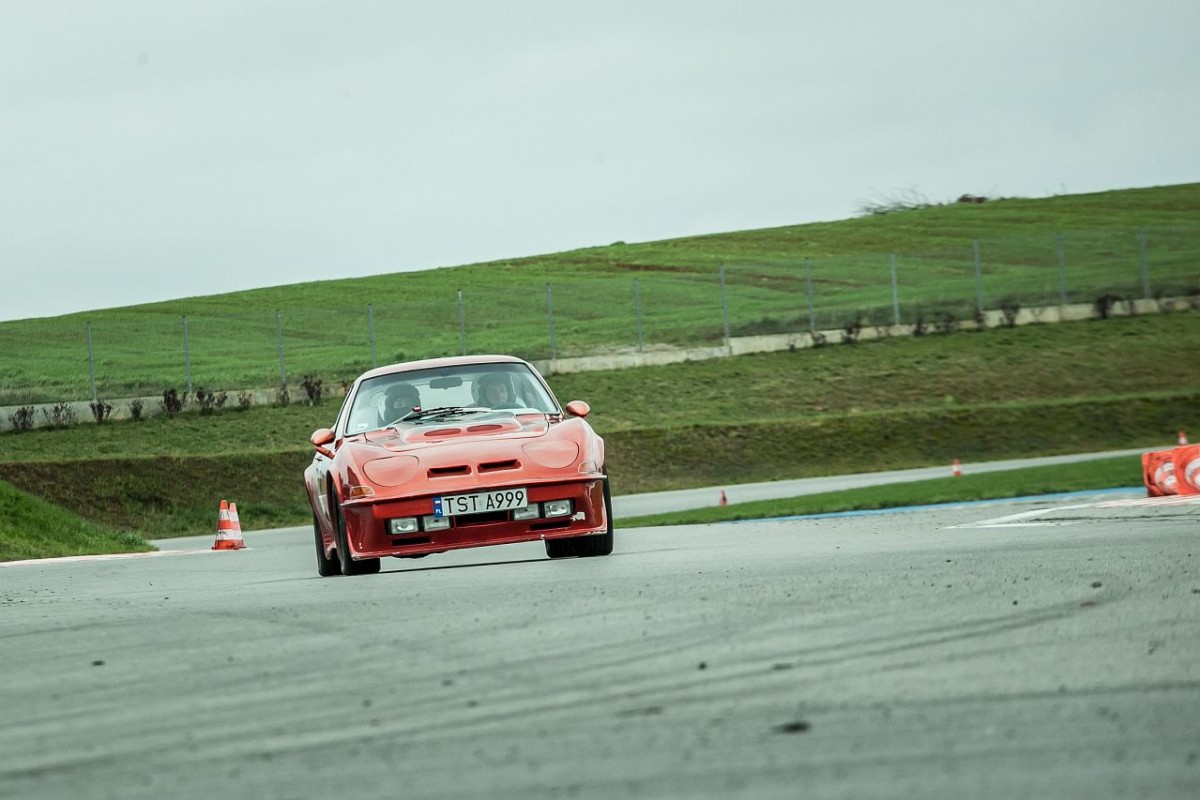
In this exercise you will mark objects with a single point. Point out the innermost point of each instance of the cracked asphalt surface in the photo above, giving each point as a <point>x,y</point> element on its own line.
<point>978,651</point>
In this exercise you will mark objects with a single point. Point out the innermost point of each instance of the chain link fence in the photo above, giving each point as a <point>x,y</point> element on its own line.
<point>621,308</point>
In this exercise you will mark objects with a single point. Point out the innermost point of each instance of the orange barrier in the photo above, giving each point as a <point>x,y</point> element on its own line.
<point>1187,469</point>
<point>956,468</point>
<point>724,501</point>
<point>1182,438</point>
<point>229,529</point>
<point>1158,473</point>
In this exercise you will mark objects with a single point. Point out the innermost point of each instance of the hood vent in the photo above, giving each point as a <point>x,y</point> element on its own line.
<point>496,466</point>
<point>445,472</point>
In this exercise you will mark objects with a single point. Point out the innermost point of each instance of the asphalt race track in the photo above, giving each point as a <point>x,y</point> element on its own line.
<point>1019,650</point>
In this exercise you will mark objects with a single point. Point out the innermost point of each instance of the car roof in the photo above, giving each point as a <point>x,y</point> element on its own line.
<point>429,363</point>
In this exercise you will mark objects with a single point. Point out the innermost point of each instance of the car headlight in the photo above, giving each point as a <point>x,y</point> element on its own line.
<point>432,523</point>
<point>552,454</point>
<point>403,525</point>
<point>392,470</point>
<point>556,508</point>
<point>527,512</point>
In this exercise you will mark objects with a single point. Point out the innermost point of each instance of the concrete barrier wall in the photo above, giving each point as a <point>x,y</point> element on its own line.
<point>657,356</point>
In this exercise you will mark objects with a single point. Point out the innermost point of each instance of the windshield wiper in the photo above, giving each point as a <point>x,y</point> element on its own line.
<point>440,412</point>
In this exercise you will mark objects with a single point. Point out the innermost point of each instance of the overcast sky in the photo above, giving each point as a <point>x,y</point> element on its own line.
<point>152,150</point>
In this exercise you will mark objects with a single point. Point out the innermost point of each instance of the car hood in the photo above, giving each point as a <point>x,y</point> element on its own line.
<point>406,438</point>
<point>469,454</point>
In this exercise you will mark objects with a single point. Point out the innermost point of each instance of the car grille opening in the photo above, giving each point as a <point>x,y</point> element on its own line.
<point>481,519</point>
<point>407,540</point>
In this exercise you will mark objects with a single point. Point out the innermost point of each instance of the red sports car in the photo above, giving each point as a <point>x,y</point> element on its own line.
<point>435,455</point>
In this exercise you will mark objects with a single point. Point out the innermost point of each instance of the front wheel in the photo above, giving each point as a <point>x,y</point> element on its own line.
<point>325,566</point>
<point>366,566</point>
<point>586,546</point>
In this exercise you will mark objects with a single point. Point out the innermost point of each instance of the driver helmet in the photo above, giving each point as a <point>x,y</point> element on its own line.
<point>496,390</point>
<point>399,400</point>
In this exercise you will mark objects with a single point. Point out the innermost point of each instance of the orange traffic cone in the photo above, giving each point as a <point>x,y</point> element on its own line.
<point>1182,438</point>
<point>229,529</point>
<point>724,501</point>
<point>956,468</point>
<point>1187,469</point>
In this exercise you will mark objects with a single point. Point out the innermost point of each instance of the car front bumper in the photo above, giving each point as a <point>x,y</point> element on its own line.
<point>368,536</point>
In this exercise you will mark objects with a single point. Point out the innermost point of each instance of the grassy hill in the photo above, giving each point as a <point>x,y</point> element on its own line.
<point>1036,390</point>
<point>1072,248</point>
<point>33,528</point>
<point>1042,389</point>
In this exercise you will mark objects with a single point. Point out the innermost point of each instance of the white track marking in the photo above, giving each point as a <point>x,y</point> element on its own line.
<point>109,557</point>
<point>1029,518</point>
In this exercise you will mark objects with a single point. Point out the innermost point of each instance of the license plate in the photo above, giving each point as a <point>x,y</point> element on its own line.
<point>480,502</point>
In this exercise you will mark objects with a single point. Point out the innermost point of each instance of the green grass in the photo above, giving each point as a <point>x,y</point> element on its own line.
<point>1116,359</point>
<point>233,337</point>
<point>897,403</point>
<point>33,528</point>
<point>905,402</point>
<point>1085,475</point>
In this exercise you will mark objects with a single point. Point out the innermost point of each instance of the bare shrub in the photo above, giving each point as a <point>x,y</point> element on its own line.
<point>283,397</point>
<point>1010,308</point>
<point>59,415</point>
<point>819,339</point>
<point>313,387</point>
<point>100,410</point>
<point>1104,305</point>
<point>21,419</point>
<point>890,203</point>
<point>946,324</point>
<point>135,409</point>
<point>851,331</point>
<point>244,400</point>
<point>173,402</point>
<point>205,400</point>
<point>920,327</point>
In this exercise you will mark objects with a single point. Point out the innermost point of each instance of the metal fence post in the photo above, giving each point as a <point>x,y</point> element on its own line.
<point>724,306</point>
<point>895,288</point>
<point>1062,269</point>
<point>1145,263</point>
<point>279,337</point>
<point>550,317</point>
<point>187,356</point>
<point>371,333</point>
<point>637,311</point>
<point>91,363</point>
<point>462,324</point>
<point>978,277</point>
<point>812,317</point>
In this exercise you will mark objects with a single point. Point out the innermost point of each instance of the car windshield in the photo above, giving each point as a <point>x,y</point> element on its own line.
<point>451,391</point>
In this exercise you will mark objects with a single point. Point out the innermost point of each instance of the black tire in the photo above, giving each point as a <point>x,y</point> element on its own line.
<point>347,565</point>
<point>326,567</point>
<point>586,546</point>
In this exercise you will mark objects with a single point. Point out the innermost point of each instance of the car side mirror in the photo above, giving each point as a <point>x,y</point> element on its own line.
<point>578,408</point>
<point>320,438</point>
